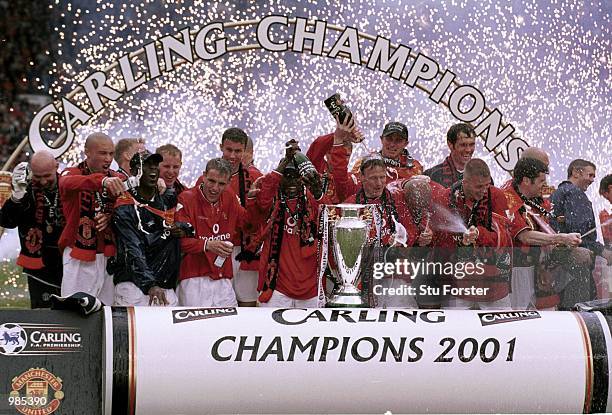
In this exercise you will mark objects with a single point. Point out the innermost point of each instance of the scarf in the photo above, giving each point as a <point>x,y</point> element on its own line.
<point>48,218</point>
<point>247,250</point>
<point>481,213</point>
<point>387,206</point>
<point>535,203</point>
<point>307,229</point>
<point>129,199</point>
<point>389,162</point>
<point>450,174</point>
<point>91,204</point>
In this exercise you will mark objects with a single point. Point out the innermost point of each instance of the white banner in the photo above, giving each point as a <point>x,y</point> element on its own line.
<point>194,361</point>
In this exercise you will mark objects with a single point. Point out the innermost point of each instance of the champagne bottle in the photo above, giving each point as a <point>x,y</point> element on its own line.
<point>303,164</point>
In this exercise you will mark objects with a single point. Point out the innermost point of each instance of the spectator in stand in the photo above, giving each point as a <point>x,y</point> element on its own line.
<point>25,58</point>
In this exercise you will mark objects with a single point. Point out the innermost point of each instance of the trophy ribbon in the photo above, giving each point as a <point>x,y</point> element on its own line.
<point>322,299</point>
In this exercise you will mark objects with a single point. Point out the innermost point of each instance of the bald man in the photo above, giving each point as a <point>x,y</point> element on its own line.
<point>88,192</point>
<point>535,153</point>
<point>35,210</point>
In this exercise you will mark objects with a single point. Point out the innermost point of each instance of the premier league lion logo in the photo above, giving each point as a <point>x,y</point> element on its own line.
<point>13,339</point>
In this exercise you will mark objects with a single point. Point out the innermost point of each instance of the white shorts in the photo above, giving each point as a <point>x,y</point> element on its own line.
<point>244,282</point>
<point>206,292</point>
<point>522,296</point>
<point>88,277</point>
<point>128,294</point>
<point>280,300</point>
<point>456,303</point>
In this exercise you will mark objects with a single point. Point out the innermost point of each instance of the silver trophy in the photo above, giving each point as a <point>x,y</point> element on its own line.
<point>349,235</point>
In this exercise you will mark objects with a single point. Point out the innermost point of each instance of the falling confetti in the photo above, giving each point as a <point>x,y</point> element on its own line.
<point>545,66</point>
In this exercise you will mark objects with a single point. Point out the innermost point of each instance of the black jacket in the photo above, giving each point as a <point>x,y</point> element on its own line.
<point>21,216</point>
<point>146,254</point>
<point>573,212</point>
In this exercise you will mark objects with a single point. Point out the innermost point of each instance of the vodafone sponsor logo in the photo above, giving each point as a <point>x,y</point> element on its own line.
<point>487,319</point>
<point>191,314</point>
<point>222,237</point>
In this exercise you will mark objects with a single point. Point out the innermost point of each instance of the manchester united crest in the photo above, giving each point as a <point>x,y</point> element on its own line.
<point>33,240</point>
<point>36,392</point>
<point>86,234</point>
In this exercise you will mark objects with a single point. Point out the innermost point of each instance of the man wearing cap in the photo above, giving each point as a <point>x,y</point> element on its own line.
<point>461,141</point>
<point>148,257</point>
<point>35,209</point>
<point>371,186</point>
<point>245,261</point>
<point>400,164</point>
<point>88,192</point>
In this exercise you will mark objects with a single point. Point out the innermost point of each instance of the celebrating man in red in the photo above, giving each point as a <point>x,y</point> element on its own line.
<point>216,215</point>
<point>170,167</point>
<point>319,153</point>
<point>398,226</point>
<point>88,193</point>
<point>287,274</point>
<point>529,218</point>
<point>245,262</point>
<point>485,241</point>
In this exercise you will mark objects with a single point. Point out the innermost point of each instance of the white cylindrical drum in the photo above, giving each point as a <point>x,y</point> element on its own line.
<point>228,360</point>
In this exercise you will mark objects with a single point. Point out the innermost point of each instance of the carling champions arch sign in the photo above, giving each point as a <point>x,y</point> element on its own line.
<point>278,34</point>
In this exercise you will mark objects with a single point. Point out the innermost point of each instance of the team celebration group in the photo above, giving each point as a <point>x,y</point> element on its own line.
<point>136,235</point>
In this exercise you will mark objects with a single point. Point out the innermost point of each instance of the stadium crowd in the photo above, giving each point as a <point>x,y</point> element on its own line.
<point>138,236</point>
<point>26,57</point>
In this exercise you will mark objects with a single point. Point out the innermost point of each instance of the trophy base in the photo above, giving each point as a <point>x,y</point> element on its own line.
<point>346,297</point>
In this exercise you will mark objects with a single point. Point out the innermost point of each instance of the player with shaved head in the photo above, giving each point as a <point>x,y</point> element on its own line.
<point>34,208</point>
<point>88,193</point>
